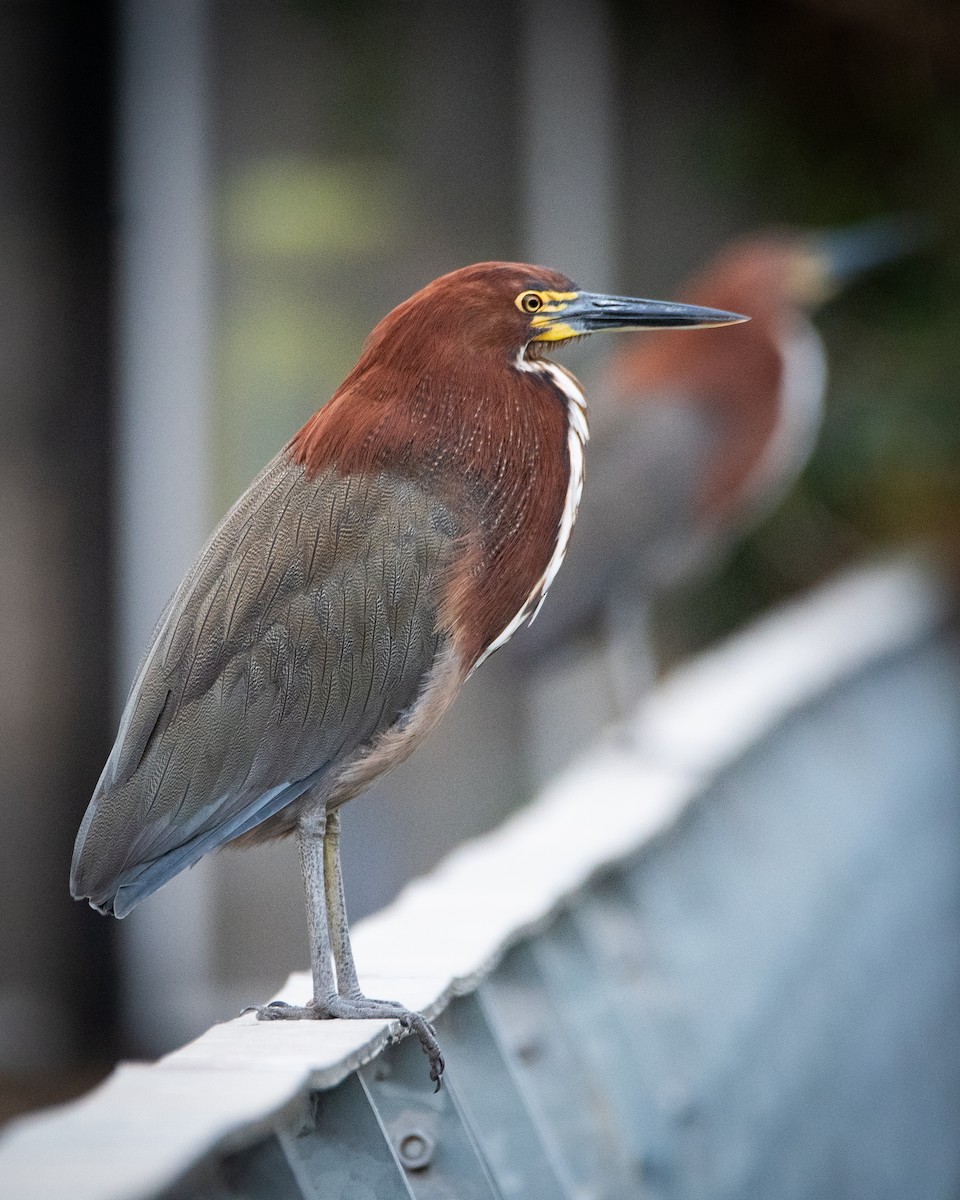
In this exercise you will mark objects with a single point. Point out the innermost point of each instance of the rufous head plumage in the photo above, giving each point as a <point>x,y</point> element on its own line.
<point>447,391</point>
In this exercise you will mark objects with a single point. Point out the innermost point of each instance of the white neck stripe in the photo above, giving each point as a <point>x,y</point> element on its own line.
<point>577,435</point>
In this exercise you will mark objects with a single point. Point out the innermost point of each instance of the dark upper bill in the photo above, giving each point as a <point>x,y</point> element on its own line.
<point>589,312</point>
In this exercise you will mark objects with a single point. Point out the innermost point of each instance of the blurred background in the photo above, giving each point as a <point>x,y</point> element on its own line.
<point>204,208</point>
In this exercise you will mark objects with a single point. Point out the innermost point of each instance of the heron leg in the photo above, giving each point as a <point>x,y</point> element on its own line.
<point>311,833</point>
<point>311,839</point>
<point>631,663</point>
<point>318,838</point>
<point>348,983</point>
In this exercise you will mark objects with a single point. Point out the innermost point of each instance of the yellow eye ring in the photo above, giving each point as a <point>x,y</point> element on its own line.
<point>529,302</point>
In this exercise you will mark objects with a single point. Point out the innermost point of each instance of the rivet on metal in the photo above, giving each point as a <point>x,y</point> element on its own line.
<point>415,1150</point>
<point>528,1051</point>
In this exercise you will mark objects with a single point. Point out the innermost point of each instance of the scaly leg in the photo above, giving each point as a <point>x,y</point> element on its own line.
<point>319,842</point>
<point>631,662</point>
<point>348,983</point>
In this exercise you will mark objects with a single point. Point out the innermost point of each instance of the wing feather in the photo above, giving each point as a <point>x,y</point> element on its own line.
<point>306,629</point>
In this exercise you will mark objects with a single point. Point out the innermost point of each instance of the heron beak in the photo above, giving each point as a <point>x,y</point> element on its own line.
<point>841,255</point>
<point>589,312</point>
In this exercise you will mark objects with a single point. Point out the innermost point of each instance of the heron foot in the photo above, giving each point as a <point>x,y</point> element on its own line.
<point>358,1007</point>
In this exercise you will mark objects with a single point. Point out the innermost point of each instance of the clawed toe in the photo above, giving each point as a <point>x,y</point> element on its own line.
<point>280,1010</point>
<point>383,1007</point>
<point>359,1007</point>
<point>427,1037</point>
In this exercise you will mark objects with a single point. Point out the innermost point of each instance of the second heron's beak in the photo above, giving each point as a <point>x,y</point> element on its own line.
<point>858,248</point>
<point>826,262</point>
<point>589,312</point>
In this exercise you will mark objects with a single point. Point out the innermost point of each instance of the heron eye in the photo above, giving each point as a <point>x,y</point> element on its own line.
<point>530,302</point>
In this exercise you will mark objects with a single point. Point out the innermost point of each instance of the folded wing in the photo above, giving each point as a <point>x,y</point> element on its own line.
<point>305,630</point>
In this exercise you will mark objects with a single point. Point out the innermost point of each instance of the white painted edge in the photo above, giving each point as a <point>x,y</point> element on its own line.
<point>139,1131</point>
<point>143,1127</point>
<point>710,710</point>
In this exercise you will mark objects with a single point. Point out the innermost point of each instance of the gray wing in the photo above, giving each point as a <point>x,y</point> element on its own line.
<point>307,627</point>
<point>636,527</point>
